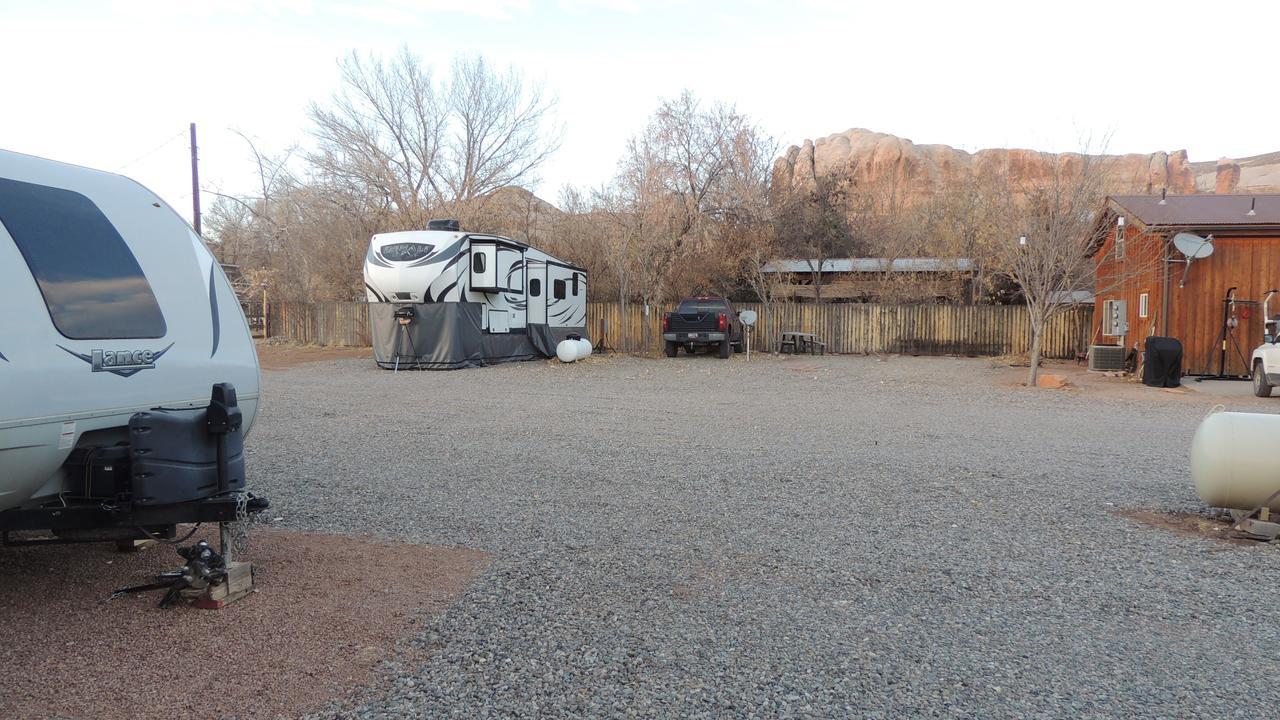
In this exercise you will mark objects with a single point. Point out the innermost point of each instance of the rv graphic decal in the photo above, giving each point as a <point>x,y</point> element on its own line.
<point>213,309</point>
<point>124,363</point>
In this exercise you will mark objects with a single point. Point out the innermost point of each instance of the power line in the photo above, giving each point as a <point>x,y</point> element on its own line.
<point>151,152</point>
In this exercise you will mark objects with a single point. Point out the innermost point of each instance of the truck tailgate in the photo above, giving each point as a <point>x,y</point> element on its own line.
<point>684,322</point>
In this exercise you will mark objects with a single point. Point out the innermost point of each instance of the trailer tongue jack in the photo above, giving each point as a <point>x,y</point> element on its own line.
<point>207,580</point>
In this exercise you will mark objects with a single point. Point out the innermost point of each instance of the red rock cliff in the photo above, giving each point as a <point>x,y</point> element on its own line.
<point>871,159</point>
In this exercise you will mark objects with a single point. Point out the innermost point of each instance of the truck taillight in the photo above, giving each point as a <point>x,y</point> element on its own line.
<point>724,322</point>
<point>666,322</point>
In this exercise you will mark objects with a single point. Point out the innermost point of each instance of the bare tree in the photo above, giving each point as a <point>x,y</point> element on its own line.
<point>307,237</point>
<point>383,131</point>
<point>691,176</point>
<point>250,228</point>
<point>814,225</point>
<point>497,131</point>
<point>425,146</point>
<point>1052,239</point>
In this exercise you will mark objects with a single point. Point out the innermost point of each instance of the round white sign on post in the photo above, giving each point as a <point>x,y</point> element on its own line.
<point>748,317</point>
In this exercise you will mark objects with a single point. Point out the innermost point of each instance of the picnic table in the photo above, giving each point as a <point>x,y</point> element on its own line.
<point>798,342</point>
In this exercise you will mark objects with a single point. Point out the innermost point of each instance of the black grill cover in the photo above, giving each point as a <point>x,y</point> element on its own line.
<point>1162,364</point>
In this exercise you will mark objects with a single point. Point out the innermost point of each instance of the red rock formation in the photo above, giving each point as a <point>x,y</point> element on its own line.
<point>1226,176</point>
<point>910,171</point>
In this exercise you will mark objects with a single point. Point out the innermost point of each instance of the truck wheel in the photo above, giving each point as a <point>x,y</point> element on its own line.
<point>1261,387</point>
<point>738,347</point>
<point>725,348</point>
<point>670,348</point>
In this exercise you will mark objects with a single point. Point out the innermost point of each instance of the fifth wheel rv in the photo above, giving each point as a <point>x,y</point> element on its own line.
<point>444,299</point>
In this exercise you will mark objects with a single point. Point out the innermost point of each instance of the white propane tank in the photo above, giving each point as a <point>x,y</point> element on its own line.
<point>567,351</point>
<point>1231,461</point>
<point>584,348</point>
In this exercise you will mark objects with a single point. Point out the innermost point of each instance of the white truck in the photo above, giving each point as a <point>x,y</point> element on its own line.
<point>1265,363</point>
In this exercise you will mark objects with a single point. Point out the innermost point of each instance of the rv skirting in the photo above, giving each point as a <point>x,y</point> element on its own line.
<point>449,336</point>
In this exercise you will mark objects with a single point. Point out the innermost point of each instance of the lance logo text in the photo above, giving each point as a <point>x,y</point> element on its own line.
<point>120,362</point>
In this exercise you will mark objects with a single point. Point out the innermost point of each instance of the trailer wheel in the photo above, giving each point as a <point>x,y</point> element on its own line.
<point>1261,387</point>
<point>670,348</point>
<point>725,348</point>
<point>738,347</point>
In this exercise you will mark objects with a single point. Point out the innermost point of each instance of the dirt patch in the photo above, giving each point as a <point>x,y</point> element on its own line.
<point>1188,525</point>
<point>1082,383</point>
<point>283,357</point>
<point>328,612</point>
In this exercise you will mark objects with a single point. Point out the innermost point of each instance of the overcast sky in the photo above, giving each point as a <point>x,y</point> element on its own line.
<point>113,84</point>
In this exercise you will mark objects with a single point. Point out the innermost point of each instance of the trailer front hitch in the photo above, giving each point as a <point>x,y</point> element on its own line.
<point>205,567</point>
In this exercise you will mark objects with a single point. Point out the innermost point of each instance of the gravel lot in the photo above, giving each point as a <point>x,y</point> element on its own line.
<point>841,536</point>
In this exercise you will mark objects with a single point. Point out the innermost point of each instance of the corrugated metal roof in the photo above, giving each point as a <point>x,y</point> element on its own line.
<point>870,265</point>
<point>1202,210</point>
<point>1072,297</point>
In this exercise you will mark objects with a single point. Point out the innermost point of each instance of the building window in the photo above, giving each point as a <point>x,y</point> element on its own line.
<point>535,287</point>
<point>1142,305</point>
<point>557,289</point>
<point>91,282</point>
<point>1120,243</point>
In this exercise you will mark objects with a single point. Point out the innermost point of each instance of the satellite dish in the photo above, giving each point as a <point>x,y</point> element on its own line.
<point>748,317</point>
<point>1193,247</point>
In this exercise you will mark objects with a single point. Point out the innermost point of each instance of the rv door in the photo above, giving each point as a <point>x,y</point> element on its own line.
<point>484,266</point>
<point>536,276</point>
<point>511,264</point>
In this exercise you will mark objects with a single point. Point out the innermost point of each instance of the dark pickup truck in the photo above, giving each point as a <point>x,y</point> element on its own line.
<point>702,322</point>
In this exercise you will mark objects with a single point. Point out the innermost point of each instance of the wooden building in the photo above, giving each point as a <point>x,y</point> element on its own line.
<point>1146,287</point>
<point>909,280</point>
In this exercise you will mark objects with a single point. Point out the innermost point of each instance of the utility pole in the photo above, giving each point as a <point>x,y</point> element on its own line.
<point>195,183</point>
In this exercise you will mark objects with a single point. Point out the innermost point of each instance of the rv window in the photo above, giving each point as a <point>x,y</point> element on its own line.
<point>535,287</point>
<point>90,280</point>
<point>557,289</point>
<point>575,285</point>
<point>477,262</point>
<point>406,251</point>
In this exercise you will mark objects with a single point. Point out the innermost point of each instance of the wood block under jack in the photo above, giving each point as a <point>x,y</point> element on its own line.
<point>239,583</point>
<point>134,545</point>
<point>1260,529</point>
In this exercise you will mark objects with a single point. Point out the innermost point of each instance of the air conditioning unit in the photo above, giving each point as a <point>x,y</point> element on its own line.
<point>1106,357</point>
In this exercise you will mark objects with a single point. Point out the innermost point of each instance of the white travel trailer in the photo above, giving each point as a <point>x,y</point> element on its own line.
<point>127,372</point>
<point>444,299</point>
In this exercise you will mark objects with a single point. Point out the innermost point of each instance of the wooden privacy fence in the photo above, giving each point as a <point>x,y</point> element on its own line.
<point>322,323</point>
<point>866,328</point>
<point>844,327</point>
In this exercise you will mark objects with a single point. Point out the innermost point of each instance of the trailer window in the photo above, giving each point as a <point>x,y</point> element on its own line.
<point>478,261</point>
<point>535,287</point>
<point>575,285</point>
<point>91,282</point>
<point>557,289</point>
